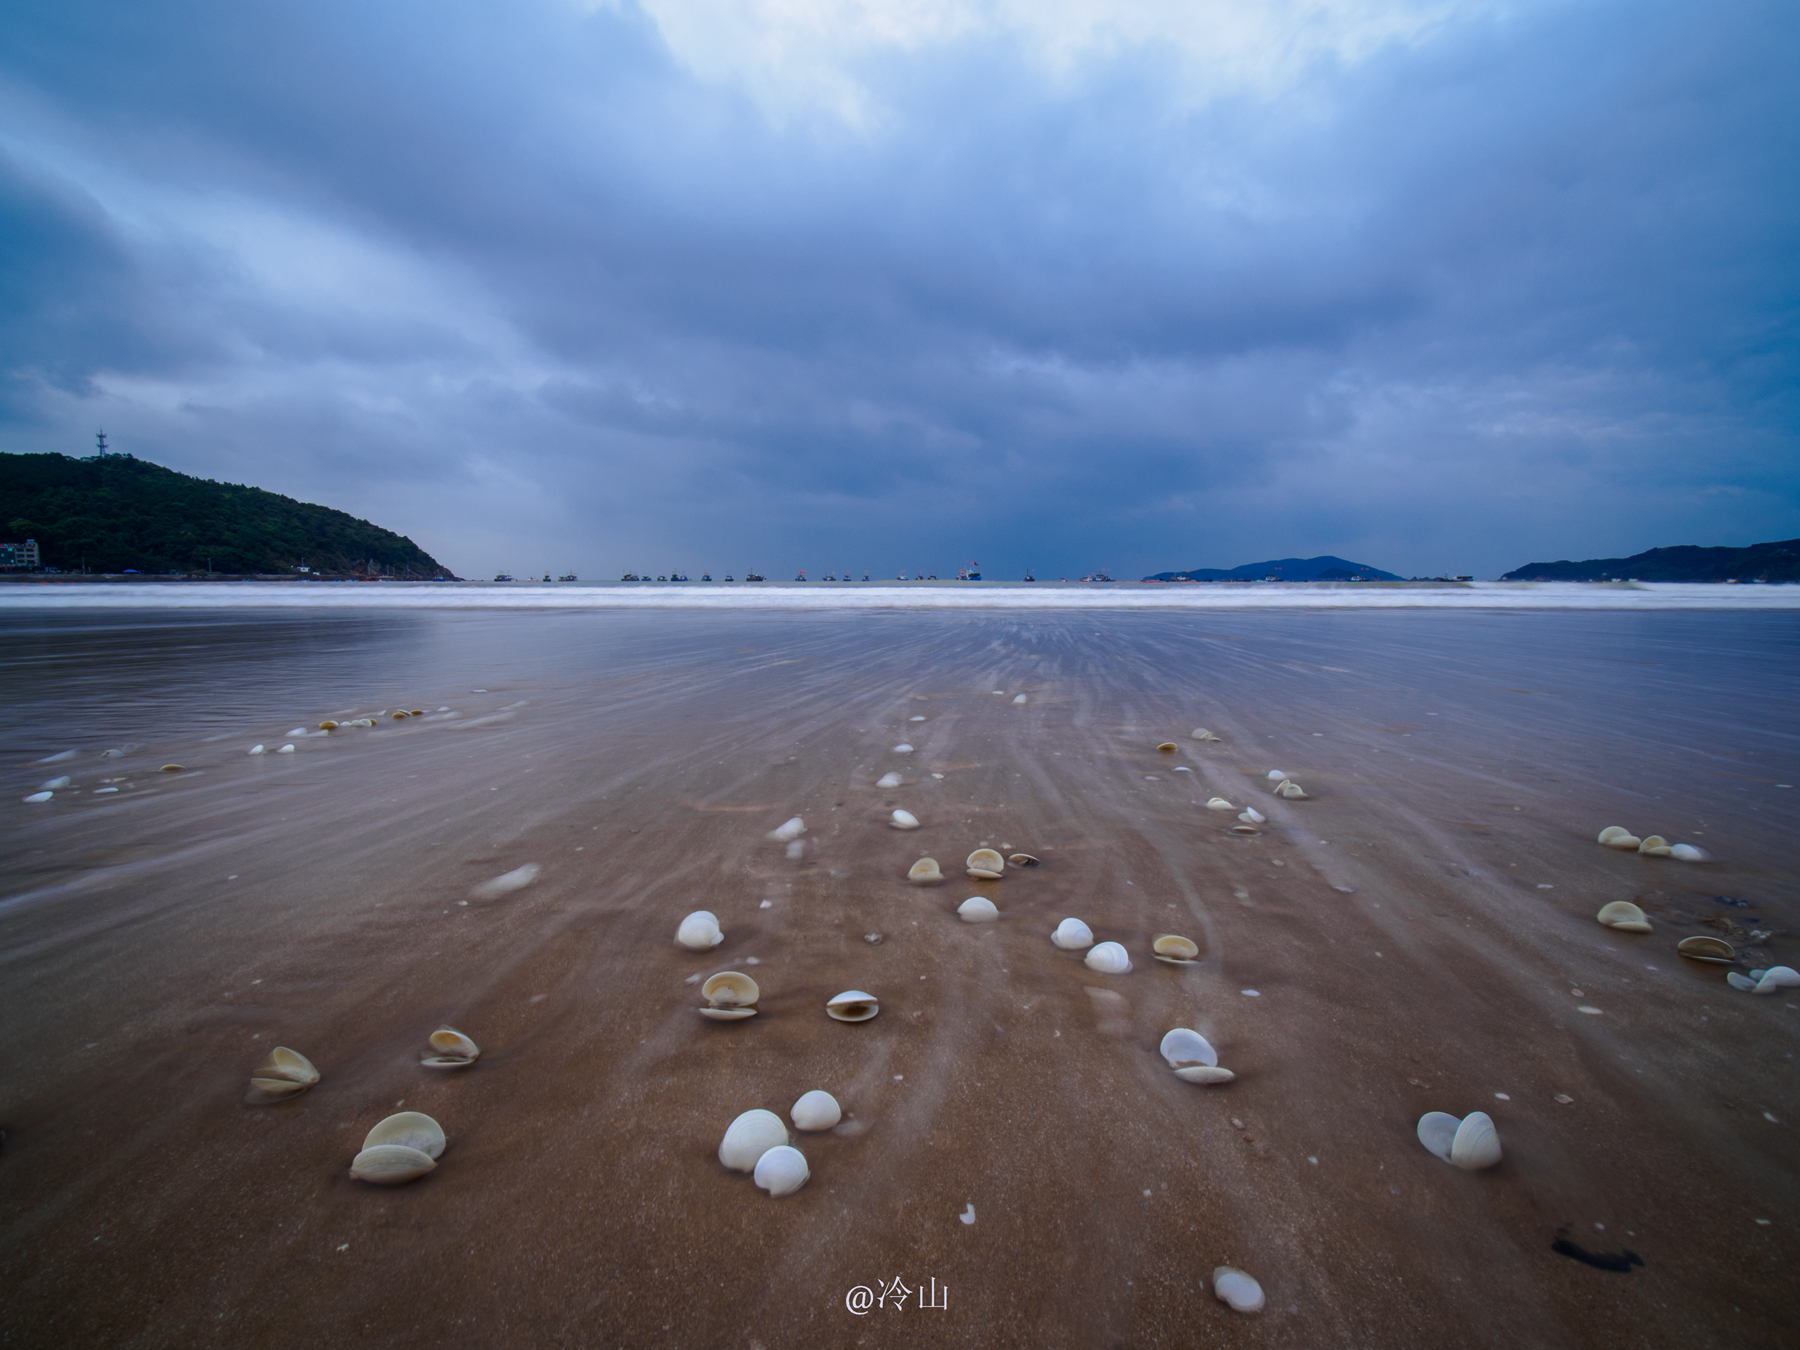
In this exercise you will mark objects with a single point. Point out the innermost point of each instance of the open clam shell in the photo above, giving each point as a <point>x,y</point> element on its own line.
<point>1625,841</point>
<point>730,989</point>
<point>1655,845</point>
<point>1023,860</point>
<point>699,931</point>
<point>1219,804</point>
<point>749,1137</point>
<point>1202,734</point>
<point>1073,935</point>
<point>986,864</point>
<point>1166,748</point>
<point>391,1164</point>
<point>1184,1046</point>
<point>853,1006</point>
<point>925,872</point>
<point>1471,1143</point>
<point>1292,791</point>
<point>1209,1075</point>
<point>1713,949</point>
<point>1109,958</point>
<point>977,909</point>
<point>266,1091</point>
<point>1624,916</point>
<point>284,1074</point>
<point>904,820</point>
<point>454,1050</point>
<point>1175,949</point>
<point>412,1129</point>
<point>781,1171</point>
<point>816,1110</point>
<point>1251,816</point>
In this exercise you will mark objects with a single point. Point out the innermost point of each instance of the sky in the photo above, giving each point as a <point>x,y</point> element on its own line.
<point>599,286</point>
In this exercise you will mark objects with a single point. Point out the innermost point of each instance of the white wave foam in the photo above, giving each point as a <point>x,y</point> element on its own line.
<point>951,595</point>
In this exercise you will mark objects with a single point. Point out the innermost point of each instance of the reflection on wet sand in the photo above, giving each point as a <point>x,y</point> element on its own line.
<point>1415,934</point>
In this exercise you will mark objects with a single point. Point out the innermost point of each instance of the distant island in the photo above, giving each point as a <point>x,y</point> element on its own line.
<point>117,514</point>
<point>1326,568</point>
<point>1779,561</point>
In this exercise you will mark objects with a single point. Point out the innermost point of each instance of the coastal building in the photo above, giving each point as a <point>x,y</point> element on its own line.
<point>20,556</point>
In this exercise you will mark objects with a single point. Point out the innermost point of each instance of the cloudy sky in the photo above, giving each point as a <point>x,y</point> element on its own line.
<point>596,285</point>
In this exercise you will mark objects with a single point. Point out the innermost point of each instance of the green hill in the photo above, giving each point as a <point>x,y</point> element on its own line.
<point>1776,561</point>
<point>121,513</point>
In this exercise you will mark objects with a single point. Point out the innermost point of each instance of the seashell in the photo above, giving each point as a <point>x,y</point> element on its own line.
<point>1018,698</point>
<point>1205,1074</point>
<point>730,989</point>
<point>986,864</point>
<point>816,1110</point>
<point>888,780</point>
<point>1292,791</point>
<point>1740,981</point>
<point>177,768</point>
<point>1072,935</point>
<point>904,820</point>
<point>1174,949</point>
<point>39,797</point>
<point>699,931</point>
<point>1023,860</point>
<point>418,712</point>
<point>1707,949</point>
<point>259,749</point>
<point>1236,1290</point>
<point>1471,1143</point>
<point>55,783</point>
<point>853,1006</point>
<point>108,754</point>
<point>924,872</point>
<point>977,909</point>
<point>1220,804</point>
<point>1245,829</point>
<point>328,725</point>
<point>903,749</point>
<point>1612,832</point>
<point>781,1171</point>
<point>390,1164</point>
<point>749,1137</point>
<point>454,1050</point>
<point>1654,844</point>
<point>1275,774</point>
<point>1624,916</point>
<point>506,883</point>
<point>1202,734</point>
<point>727,1014</point>
<point>285,1073</point>
<point>1688,853</point>
<point>1251,816</point>
<point>284,750</point>
<point>1109,958</point>
<point>1625,841</point>
<point>408,1129</point>
<point>297,731</point>
<point>1166,748</point>
<point>787,830</point>
<point>1778,977</point>
<point>1184,1046</point>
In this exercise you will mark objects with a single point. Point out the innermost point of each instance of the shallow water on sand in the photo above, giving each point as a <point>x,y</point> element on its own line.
<point>1419,933</point>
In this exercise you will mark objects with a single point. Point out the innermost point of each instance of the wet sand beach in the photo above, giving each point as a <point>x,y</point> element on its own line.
<point>1419,934</point>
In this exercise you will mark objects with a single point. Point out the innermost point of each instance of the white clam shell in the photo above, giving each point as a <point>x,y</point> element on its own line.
<point>266,1090</point>
<point>1202,734</point>
<point>1778,977</point>
<point>1437,1131</point>
<point>1292,791</point>
<point>259,749</point>
<point>390,1164</point>
<point>727,1014</point>
<point>454,1050</point>
<point>1625,843</point>
<point>1732,978</point>
<point>904,820</point>
<point>1023,860</point>
<point>1205,1074</point>
<point>411,1129</point>
<point>1184,1045</point>
<point>507,882</point>
<point>1251,816</point>
<point>781,1171</point>
<point>1073,935</point>
<point>816,1110</point>
<point>699,931</point>
<point>1688,853</point>
<point>788,830</point>
<point>1236,1290</point>
<point>1277,774</point>
<point>749,1137</point>
<point>924,872</point>
<point>1624,916</point>
<point>39,797</point>
<point>986,864</point>
<point>1018,698</point>
<point>1471,1143</point>
<point>1174,948</point>
<point>977,909</point>
<point>888,780</point>
<point>1612,832</point>
<point>853,1005</point>
<point>1702,948</point>
<point>903,749</point>
<point>730,989</point>
<point>291,1065</point>
<point>1654,843</point>
<point>1219,804</point>
<point>1109,958</point>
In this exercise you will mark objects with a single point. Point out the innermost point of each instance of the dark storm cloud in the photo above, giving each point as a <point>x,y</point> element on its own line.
<point>515,281</point>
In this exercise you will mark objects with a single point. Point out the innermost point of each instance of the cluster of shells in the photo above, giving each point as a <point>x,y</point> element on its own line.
<point>1471,1143</point>
<point>1286,786</point>
<point>984,864</point>
<point>1768,981</point>
<point>757,1143</point>
<point>1651,846</point>
<point>1193,1058</point>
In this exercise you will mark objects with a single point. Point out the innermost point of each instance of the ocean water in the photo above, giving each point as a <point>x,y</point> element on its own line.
<point>1418,934</point>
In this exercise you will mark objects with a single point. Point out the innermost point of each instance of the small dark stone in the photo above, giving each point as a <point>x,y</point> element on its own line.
<point>1619,1262</point>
